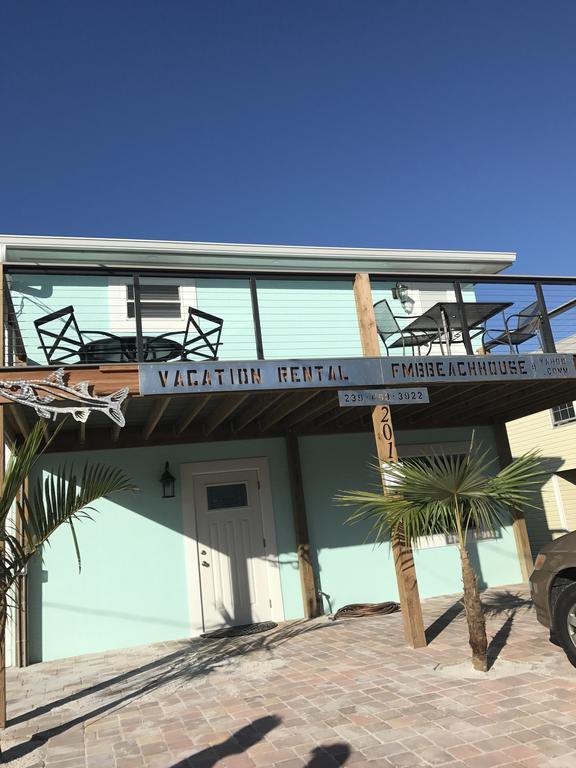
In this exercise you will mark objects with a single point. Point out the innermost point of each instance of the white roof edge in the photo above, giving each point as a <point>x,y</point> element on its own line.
<point>488,259</point>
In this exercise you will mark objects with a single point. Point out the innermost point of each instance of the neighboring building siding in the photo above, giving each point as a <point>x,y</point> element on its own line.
<point>554,511</point>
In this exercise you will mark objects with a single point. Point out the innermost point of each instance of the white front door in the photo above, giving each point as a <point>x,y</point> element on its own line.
<point>231,549</point>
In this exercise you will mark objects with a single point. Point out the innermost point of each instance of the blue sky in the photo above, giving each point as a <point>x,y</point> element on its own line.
<point>382,123</point>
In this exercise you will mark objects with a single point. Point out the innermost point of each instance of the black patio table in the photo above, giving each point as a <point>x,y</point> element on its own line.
<point>123,349</point>
<point>444,318</point>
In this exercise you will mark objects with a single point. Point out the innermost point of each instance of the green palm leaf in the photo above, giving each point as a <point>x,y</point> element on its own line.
<point>64,497</point>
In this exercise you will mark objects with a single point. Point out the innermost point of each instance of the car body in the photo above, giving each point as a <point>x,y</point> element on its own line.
<point>553,590</point>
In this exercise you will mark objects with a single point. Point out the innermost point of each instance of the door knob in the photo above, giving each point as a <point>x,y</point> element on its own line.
<point>205,564</point>
<point>203,552</point>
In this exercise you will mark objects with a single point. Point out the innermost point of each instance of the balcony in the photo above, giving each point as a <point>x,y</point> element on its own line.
<point>100,324</point>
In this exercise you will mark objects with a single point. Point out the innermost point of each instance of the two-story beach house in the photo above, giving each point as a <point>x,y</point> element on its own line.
<point>235,385</point>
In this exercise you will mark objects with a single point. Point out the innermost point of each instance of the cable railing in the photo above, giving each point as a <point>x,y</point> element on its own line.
<point>66,317</point>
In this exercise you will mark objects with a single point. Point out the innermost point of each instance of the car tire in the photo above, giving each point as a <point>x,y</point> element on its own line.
<point>565,621</point>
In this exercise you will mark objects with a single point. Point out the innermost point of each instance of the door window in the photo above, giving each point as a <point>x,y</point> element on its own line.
<point>227,496</point>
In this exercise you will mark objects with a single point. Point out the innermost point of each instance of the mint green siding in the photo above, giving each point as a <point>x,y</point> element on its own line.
<point>133,586</point>
<point>36,296</point>
<point>307,318</point>
<point>353,569</point>
<point>230,300</point>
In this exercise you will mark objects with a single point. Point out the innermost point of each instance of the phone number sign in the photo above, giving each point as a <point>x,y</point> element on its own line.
<point>371,397</point>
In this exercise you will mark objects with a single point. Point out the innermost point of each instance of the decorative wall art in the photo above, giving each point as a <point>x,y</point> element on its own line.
<point>50,397</point>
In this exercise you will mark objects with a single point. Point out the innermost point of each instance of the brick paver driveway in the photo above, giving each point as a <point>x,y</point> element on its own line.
<point>310,694</point>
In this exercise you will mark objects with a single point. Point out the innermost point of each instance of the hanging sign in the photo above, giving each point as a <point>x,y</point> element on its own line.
<point>187,377</point>
<point>372,397</point>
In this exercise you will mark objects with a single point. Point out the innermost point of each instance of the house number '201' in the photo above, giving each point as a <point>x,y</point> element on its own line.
<point>387,432</point>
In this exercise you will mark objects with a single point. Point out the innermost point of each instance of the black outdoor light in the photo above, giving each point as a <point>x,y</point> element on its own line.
<point>400,291</point>
<point>168,483</point>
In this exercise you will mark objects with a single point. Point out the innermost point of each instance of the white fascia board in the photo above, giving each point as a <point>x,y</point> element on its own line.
<point>120,252</point>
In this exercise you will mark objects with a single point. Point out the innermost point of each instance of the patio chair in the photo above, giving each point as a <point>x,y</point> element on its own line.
<point>388,327</point>
<point>62,341</point>
<point>201,337</point>
<point>526,327</point>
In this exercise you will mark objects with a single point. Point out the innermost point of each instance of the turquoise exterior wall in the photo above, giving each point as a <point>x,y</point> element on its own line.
<point>133,585</point>
<point>299,318</point>
<point>351,567</point>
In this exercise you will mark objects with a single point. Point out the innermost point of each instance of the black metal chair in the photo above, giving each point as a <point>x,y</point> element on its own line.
<point>62,341</point>
<point>512,335</point>
<point>201,337</point>
<point>388,327</point>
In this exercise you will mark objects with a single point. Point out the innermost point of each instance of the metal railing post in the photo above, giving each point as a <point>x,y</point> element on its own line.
<point>138,319</point>
<point>256,319</point>
<point>548,344</point>
<point>463,319</point>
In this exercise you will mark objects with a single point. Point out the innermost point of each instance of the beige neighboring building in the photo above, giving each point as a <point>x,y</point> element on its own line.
<point>553,433</point>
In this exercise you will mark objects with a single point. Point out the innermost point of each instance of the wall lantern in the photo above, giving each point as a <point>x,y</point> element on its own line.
<point>168,483</point>
<point>400,291</point>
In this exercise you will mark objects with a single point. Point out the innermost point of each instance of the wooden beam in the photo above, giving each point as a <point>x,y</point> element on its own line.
<point>104,379</point>
<point>303,548</point>
<point>287,405</point>
<point>116,428</point>
<point>196,406</point>
<point>519,528</point>
<point>318,406</point>
<point>19,416</point>
<point>155,414</point>
<point>223,411</point>
<point>386,448</point>
<point>261,403</point>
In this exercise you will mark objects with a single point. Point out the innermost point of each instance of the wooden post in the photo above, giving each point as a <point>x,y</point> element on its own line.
<point>305,567</point>
<point>386,449</point>
<point>519,521</point>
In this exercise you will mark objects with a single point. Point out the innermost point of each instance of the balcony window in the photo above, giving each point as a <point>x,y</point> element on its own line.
<point>562,414</point>
<point>156,301</point>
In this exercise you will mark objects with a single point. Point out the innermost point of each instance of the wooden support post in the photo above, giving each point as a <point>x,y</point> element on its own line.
<point>305,567</point>
<point>21,596</point>
<point>386,449</point>
<point>519,521</point>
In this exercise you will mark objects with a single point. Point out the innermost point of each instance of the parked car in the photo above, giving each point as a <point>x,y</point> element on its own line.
<point>553,588</point>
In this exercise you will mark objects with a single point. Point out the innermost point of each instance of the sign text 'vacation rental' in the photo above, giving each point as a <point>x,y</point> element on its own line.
<point>187,377</point>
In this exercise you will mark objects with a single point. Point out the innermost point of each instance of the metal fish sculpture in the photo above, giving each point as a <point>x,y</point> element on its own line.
<point>52,396</point>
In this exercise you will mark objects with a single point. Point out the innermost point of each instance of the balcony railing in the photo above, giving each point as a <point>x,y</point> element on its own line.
<point>70,317</point>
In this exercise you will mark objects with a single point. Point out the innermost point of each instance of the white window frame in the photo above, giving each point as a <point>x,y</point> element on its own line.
<point>556,424</point>
<point>118,306</point>
<point>424,449</point>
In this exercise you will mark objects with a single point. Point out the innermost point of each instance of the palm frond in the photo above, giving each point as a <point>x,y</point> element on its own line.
<point>442,493</point>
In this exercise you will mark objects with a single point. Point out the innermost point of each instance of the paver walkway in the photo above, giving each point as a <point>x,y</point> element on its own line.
<point>316,694</point>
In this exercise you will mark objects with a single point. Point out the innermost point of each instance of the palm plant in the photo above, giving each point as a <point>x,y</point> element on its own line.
<point>449,494</point>
<point>63,498</point>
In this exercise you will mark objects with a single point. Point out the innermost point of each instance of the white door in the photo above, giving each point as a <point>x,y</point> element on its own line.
<point>231,549</point>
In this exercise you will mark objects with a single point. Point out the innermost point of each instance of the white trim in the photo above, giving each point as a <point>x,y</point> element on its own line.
<point>424,449</point>
<point>188,472</point>
<point>559,503</point>
<point>279,257</point>
<point>118,306</point>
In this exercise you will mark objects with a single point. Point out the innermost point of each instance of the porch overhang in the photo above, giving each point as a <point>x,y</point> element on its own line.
<point>166,418</point>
